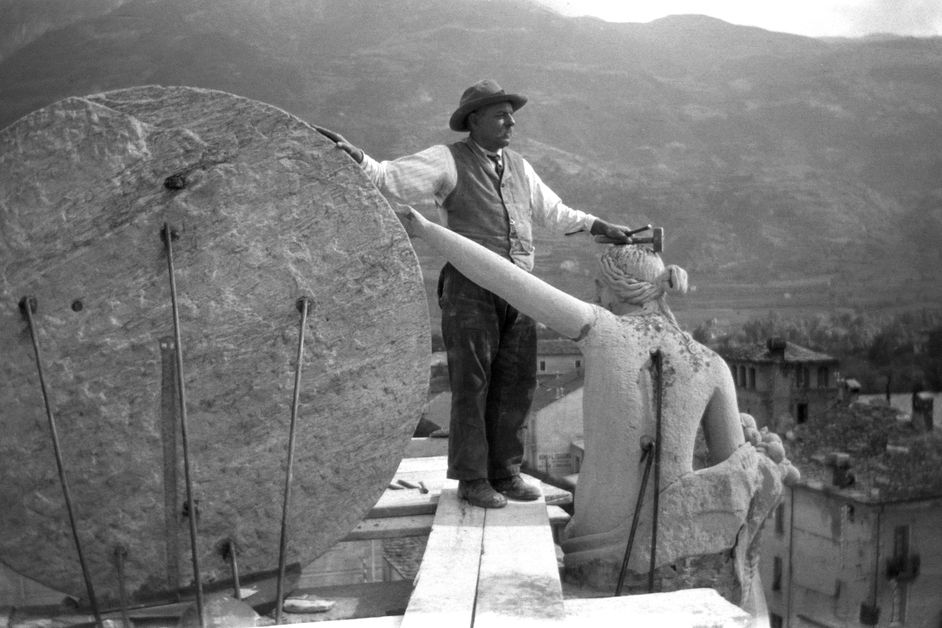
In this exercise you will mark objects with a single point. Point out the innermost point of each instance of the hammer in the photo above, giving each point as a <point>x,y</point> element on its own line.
<point>656,239</point>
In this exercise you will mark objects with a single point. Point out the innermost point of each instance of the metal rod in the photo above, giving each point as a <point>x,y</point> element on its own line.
<point>648,458</point>
<point>657,359</point>
<point>119,555</point>
<point>27,307</point>
<point>168,236</point>
<point>234,566</point>
<point>169,418</point>
<point>303,304</point>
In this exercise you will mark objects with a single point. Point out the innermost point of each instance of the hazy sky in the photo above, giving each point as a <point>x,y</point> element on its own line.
<point>815,18</point>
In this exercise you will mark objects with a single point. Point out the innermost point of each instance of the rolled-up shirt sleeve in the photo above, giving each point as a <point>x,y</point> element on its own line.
<point>549,210</point>
<point>421,177</point>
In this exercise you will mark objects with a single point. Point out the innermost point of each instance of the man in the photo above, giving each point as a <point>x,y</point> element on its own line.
<point>491,195</point>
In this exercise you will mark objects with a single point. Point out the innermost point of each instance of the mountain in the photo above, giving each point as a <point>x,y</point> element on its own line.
<point>25,20</point>
<point>788,172</point>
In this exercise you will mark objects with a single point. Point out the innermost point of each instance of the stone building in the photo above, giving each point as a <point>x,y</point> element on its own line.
<point>781,383</point>
<point>558,356</point>
<point>555,418</point>
<point>856,542</point>
<point>553,424</point>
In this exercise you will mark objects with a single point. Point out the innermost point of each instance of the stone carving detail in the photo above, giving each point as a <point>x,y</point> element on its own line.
<point>709,518</point>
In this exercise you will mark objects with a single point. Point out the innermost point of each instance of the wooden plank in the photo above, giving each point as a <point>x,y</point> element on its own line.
<point>557,516</point>
<point>404,503</point>
<point>553,495</point>
<point>556,490</point>
<point>558,519</point>
<point>446,584</point>
<point>391,528</point>
<point>519,581</point>
<point>393,621</point>
<point>431,471</point>
<point>427,447</point>
<point>432,464</point>
<point>409,503</point>
<point>703,608</point>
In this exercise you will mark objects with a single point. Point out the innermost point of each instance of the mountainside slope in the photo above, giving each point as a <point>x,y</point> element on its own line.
<point>786,170</point>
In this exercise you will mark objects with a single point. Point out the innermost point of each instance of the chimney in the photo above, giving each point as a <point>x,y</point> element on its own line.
<point>776,347</point>
<point>922,411</point>
<point>841,474</point>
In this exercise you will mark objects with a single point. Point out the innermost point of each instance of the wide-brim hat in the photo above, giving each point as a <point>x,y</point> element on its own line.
<point>481,94</point>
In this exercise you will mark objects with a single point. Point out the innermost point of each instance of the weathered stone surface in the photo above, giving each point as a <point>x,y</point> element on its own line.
<point>644,378</point>
<point>700,514</point>
<point>708,533</point>
<point>267,211</point>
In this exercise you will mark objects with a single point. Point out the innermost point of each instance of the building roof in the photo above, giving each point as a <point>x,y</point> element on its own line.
<point>891,460</point>
<point>550,389</point>
<point>760,352</point>
<point>557,346</point>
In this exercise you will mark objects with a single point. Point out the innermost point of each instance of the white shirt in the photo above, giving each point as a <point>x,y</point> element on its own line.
<point>432,173</point>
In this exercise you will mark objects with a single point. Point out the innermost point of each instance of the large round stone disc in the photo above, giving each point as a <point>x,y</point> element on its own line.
<point>267,211</point>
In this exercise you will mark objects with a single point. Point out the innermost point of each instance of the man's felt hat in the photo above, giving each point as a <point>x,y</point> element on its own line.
<point>481,94</point>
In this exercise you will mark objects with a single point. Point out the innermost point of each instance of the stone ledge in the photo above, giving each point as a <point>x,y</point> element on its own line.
<point>692,608</point>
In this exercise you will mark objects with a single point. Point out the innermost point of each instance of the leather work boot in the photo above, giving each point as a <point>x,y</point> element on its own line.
<point>480,493</point>
<point>515,488</point>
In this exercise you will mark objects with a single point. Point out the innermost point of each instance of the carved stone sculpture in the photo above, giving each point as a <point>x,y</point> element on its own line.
<point>708,519</point>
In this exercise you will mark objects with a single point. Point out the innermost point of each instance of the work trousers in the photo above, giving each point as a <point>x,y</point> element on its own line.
<point>492,369</point>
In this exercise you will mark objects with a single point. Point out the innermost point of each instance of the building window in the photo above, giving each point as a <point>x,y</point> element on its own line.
<point>901,541</point>
<point>542,365</point>
<point>752,378</point>
<point>802,413</point>
<point>578,364</point>
<point>780,519</point>
<point>898,609</point>
<point>775,621</point>
<point>802,376</point>
<point>900,589</point>
<point>777,573</point>
<point>823,377</point>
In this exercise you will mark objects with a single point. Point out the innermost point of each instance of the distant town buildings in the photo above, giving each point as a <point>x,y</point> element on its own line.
<point>555,419</point>
<point>857,541</point>
<point>559,357</point>
<point>782,384</point>
<point>554,422</point>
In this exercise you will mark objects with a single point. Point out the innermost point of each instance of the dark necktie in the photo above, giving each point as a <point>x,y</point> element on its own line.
<point>498,166</point>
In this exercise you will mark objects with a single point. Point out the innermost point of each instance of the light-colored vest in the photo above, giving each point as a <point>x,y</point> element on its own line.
<point>493,212</point>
